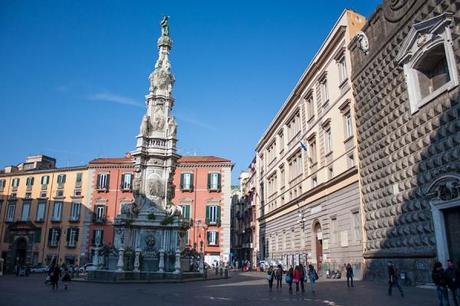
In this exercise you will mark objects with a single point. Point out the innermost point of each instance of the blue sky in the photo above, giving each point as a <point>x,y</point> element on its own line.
<point>73,74</point>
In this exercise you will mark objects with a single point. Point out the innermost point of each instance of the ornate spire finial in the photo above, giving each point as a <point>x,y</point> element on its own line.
<point>164,40</point>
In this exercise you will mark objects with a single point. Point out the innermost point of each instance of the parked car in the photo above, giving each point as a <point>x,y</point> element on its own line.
<point>39,269</point>
<point>87,267</point>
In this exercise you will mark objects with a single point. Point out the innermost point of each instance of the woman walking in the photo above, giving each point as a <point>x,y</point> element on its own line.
<point>289,276</point>
<point>313,277</point>
<point>349,269</point>
<point>270,277</point>
<point>303,277</point>
<point>297,276</point>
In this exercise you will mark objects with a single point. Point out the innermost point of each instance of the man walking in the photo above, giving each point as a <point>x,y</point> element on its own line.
<point>349,269</point>
<point>452,281</point>
<point>393,279</point>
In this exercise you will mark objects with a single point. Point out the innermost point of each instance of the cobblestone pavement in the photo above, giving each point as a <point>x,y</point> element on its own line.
<point>240,289</point>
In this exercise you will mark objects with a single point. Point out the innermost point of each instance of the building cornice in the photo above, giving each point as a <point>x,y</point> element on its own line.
<point>32,172</point>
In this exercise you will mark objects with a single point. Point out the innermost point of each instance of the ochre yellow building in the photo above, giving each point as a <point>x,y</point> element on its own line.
<point>43,211</point>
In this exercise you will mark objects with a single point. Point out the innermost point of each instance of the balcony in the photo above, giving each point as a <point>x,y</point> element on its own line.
<point>60,185</point>
<point>14,188</point>
<point>71,244</point>
<point>77,193</point>
<point>102,188</point>
<point>99,219</point>
<point>55,219</point>
<point>53,244</point>
<point>74,219</point>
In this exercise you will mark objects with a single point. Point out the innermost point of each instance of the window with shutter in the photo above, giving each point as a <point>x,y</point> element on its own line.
<point>207,214</point>
<point>214,181</point>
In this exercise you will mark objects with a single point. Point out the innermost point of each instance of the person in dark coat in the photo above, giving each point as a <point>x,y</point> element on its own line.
<point>349,269</point>
<point>66,279</point>
<point>452,281</point>
<point>441,281</point>
<point>55,275</point>
<point>393,279</point>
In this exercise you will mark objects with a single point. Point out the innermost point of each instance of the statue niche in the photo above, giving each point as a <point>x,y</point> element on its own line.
<point>158,119</point>
<point>155,188</point>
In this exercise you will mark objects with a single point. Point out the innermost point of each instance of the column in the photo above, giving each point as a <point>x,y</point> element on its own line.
<point>136,260</point>
<point>161,264</point>
<point>121,252</point>
<point>177,265</point>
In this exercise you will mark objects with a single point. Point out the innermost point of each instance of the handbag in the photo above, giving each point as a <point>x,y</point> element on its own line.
<point>269,276</point>
<point>288,279</point>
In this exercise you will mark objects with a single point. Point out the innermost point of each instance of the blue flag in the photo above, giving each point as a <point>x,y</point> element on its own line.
<point>303,146</point>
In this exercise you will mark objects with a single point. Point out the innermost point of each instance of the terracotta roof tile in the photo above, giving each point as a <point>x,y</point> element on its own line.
<point>112,160</point>
<point>202,159</point>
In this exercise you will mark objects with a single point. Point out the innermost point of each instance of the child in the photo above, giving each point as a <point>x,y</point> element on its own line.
<point>66,279</point>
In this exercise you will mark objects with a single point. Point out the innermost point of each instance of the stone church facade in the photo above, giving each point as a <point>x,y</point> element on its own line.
<point>405,66</point>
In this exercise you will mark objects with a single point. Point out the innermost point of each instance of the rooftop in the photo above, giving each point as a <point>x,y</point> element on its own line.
<point>202,159</point>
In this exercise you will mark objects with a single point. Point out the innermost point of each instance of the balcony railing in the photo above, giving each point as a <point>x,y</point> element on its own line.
<point>60,185</point>
<point>44,186</point>
<point>29,188</point>
<point>99,219</point>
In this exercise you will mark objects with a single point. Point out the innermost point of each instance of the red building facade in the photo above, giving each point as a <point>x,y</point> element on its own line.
<point>202,190</point>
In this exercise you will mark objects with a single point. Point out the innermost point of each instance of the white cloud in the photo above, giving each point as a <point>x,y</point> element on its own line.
<point>106,96</point>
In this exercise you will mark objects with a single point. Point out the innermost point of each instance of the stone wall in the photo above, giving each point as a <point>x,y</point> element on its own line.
<point>402,154</point>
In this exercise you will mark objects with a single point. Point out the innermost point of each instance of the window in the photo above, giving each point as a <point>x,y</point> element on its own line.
<point>213,214</point>
<point>54,235</point>
<point>214,181</point>
<point>428,60</point>
<point>327,139</point>
<point>10,212</point>
<point>348,125</point>
<point>29,181</point>
<point>186,181</point>
<point>323,91</point>
<point>350,160</point>
<point>72,237</point>
<point>45,179</point>
<point>40,217</point>
<point>15,183</point>
<point>98,237</point>
<point>103,181</point>
<point>185,210</point>
<point>78,180</point>
<point>282,176</point>
<point>75,211</point>
<point>312,151</point>
<point>293,126</point>
<point>126,181</point>
<point>25,211</point>
<point>61,179</point>
<point>334,230</point>
<point>295,166</point>
<point>213,238</point>
<point>281,140</point>
<point>330,171</point>
<point>2,184</point>
<point>343,76</point>
<point>57,211</point>
<point>357,225</point>
<point>314,181</point>
<point>310,107</point>
<point>99,214</point>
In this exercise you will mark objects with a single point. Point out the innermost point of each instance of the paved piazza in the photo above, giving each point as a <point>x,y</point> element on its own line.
<point>240,289</point>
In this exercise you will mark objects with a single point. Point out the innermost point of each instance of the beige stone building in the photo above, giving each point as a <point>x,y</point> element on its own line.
<point>307,173</point>
<point>42,212</point>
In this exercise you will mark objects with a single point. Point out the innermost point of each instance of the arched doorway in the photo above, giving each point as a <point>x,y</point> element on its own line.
<point>318,244</point>
<point>20,251</point>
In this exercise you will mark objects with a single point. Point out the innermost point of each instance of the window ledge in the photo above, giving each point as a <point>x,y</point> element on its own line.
<point>349,138</point>
<point>313,164</point>
<point>325,103</point>
<point>343,83</point>
<point>328,153</point>
<point>311,119</point>
<point>444,88</point>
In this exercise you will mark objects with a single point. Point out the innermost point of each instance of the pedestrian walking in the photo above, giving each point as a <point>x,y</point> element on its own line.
<point>289,276</point>
<point>393,279</point>
<point>270,277</point>
<point>55,275</point>
<point>441,281</point>
<point>303,277</point>
<point>296,276</point>
<point>66,279</point>
<point>279,277</point>
<point>452,280</point>
<point>313,277</point>
<point>349,270</point>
